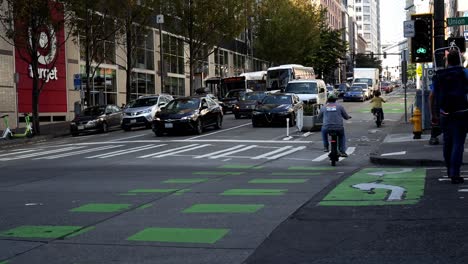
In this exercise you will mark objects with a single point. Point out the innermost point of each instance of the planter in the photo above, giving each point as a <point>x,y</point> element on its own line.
<point>311,123</point>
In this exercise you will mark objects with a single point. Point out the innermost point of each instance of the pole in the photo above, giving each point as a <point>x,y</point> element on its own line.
<point>439,31</point>
<point>161,50</point>
<point>404,79</point>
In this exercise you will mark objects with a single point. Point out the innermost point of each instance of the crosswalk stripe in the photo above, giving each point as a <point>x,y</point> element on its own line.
<point>73,153</point>
<point>40,153</point>
<point>286,153</point>
<point>349,151</point>
<point>181,151</point>
<point>167,151</point>
<point>272,152</point>
<point>232,152</point>
<point>18,152</point>
<point>321,157</point>
<point>124,151</point>
<point>218,152</point>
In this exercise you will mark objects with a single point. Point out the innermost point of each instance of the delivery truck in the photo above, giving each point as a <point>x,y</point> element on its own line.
<point>369,76</point>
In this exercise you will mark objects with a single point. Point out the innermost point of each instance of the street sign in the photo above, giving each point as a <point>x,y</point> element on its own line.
<point>408,28</point>
<point>457,21</point>
<point>77,81</point>
<point>160,19</point>
<point>419,70</point>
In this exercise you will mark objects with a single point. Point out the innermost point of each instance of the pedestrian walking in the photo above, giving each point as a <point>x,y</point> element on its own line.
<point>451,94</point>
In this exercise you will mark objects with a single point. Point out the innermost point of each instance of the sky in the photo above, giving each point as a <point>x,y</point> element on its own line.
<point>392,15</point>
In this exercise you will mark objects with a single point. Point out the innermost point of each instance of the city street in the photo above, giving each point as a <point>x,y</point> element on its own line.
<point>131,197</point>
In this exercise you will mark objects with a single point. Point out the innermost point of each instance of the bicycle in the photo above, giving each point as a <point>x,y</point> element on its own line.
<point>378,113</point>
<point>334,154</point>
<point>7,133</point>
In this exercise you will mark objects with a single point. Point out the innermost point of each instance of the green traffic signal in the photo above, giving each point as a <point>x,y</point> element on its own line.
<point>421,51</point>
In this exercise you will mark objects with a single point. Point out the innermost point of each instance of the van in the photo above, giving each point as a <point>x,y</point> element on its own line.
<point>306,90</point>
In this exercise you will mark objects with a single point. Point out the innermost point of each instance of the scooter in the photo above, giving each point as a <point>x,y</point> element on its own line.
<point>7,132</point>
<point>333,155</point>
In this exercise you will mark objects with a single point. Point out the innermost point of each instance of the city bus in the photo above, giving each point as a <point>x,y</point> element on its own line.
<point>255,81</point>
<point>279,76</point>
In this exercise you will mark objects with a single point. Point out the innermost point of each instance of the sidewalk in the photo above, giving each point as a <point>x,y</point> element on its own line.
<point>48,131</point>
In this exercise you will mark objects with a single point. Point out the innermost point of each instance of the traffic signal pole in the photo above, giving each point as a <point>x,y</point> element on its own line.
<point>439,32</point>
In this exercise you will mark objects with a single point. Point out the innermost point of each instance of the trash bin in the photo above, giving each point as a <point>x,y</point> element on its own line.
<point>426,111</point>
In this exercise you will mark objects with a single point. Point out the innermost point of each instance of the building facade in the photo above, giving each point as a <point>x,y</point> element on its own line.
<point>367,13</point>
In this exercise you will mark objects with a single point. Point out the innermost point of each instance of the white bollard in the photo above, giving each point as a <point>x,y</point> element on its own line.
<point>287,127</point>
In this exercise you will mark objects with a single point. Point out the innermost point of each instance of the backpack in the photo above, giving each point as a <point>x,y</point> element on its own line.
<point>451,89</point>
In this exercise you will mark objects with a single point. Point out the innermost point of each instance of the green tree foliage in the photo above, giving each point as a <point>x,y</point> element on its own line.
<point>205,24</point>
<point>411,71</point>
<point>23,21</point>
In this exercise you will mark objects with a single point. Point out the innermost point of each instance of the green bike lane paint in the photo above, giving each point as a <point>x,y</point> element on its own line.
<point>378,187</point>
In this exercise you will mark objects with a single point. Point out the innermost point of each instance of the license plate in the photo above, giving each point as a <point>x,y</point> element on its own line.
<point>80,127</point>
<point>168,125</point>
<point>132,121</point>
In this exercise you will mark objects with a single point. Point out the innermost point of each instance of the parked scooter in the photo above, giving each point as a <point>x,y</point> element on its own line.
<point>7,132</point>
<point>28,132</point>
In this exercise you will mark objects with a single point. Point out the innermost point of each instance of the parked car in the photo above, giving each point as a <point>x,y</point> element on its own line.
<point>141,111</point>
<point>247,103</point>
<point>231,99</point>
<point>96,118</point>
<point>368,93</point>
<point>342,89</point>
<point>387,87</point>
<point>188,113</point>
<point>355,93</point>
<point>276,108</point>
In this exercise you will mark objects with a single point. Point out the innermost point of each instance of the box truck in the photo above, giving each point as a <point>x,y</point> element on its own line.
<point>367,75</point>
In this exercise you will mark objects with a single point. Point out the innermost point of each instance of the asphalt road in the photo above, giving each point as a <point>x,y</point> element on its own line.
<point>131,197</point>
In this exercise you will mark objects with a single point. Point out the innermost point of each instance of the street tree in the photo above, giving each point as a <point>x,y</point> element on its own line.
<point>33,27</point>
<point>204,24</point>
<point>94,30</point>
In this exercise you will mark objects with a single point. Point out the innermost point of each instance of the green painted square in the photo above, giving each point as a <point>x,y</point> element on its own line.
<point>39,231</point>
<point>267,181</point>
<point>311,168</point>
<point>224,208</point>
<point>4,262</point>
<point>153,190</point>
<point>254,192</point>
<point>194,180</point>
<point>180,235</point>
<point>101,208</point>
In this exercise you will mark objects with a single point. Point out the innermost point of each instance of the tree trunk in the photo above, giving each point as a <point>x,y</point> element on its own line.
<point>35,98</point>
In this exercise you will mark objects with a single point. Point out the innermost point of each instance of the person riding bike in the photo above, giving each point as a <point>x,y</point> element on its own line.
<point>333,115</point>
<point>377,104</point>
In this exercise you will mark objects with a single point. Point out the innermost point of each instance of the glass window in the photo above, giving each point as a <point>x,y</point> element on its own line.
<point>142,84</point>
<point>145,50</point>
<point>174,86</point>
<point>173,54</point>
<point>221,62</point>
<point>103,85</point>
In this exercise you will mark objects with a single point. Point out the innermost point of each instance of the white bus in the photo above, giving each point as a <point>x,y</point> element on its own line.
<point>278,77</point>
<point>255,81</point>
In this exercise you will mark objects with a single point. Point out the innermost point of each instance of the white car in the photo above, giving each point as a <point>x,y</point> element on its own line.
<point>306,90</point>
<point>365,87</point>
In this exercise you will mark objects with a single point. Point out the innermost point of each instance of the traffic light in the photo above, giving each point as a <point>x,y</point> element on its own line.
<point>458,41</point>
<point>385,55</point>
<point>421,43</point>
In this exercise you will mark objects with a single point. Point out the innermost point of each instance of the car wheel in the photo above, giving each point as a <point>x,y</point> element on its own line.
<point>198,127</point>
<point>255,124</point>
<point>105,128</point>
<point>219,122</point>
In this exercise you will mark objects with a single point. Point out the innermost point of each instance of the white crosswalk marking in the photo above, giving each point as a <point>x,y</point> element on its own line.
<point>125,151</point>
<point>73,153</point>
<point>349,151</point>
<point>167,151</point>
<point>225,154</point>
<point>272,152</point>
<point>218,152</point>
<point>286,153</point>
<point>181,151</point>
<point>40,153</point>
<point>18,152</point>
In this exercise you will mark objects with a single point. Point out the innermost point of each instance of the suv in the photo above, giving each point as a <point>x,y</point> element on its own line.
<point>307,90</point>
<point>141,111</point>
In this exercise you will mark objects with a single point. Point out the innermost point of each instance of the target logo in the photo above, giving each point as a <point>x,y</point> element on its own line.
<point>46,54</point>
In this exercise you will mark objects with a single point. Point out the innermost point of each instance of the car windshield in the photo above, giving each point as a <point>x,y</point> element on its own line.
<point>183,103</point>
<point>356,88</point>
<point>330,88</point>
<point>142,102</point>
<point>254,96</point>
<point>277,99</point>
<point>342,87</point>
<point>94,111</point>
<point>302,88</point>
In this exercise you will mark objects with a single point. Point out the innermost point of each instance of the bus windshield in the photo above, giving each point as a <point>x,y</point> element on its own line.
<point>278,78</point>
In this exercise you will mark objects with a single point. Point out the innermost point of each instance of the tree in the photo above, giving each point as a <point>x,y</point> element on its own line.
<point>33,27</point>
<point>94,29</point>
<point>411,71</point>
<point>205,24</point>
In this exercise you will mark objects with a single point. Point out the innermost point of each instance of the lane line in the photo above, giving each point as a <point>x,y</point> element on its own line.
<point>166,151</point>
<point>218,152</point>
<point>129,137</point>
<point>194,141</point>
<point>68,154</point>
<point>287,153</point>
<point>18,152</point>
<point>182,151</point>
<point>232,152</point>
<point>272,152</point>
<point>220,131</point>
<point>40,153</point>
<point>126,151</point>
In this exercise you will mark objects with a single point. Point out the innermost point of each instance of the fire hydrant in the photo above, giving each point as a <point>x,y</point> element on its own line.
<point>417,125</point>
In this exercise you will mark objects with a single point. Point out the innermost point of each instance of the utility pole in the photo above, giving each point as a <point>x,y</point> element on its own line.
<point>439,32</point>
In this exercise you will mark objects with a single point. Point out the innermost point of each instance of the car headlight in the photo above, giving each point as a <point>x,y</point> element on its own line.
<point>157,118</point>
<point>193,117</point>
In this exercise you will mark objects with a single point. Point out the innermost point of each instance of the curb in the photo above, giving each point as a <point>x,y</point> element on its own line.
<point>406,162</point>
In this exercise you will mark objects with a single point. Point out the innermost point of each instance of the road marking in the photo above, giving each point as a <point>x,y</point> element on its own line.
<point>194,141</point>
<point>40,153</point>
<point>383,172</point>
<point>396,192</point>
<point>166,151</point>
<point>223,130</point>
<point>130,137</point>
<point>321,157</point>
<point>349,151</point>
<point>181,151</point>
<point>125,151</point>
<point>78,152</point>
<point>287,138</point>
<point>272,152</point>
<point>233,151</point>
<point>18,152</point>
<point>394,153</point>
<point>307,134</point>
<point>218,152</point>
<point>286,153</point>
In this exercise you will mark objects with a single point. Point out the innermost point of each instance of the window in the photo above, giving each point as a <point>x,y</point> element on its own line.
<point>367,27</point>
<point>358,9</point>
<point>358,18</point>
<point>221,62</point>
<point>201,66</point>
<point>173,54</point>
<point>239,63</point>
<point>174,86</point>
<point>366,9</point>
<point>145,50</point>
<point>142,84</point>
<point>102,50</point>
<point>366,18</point>
<point>103,86</point>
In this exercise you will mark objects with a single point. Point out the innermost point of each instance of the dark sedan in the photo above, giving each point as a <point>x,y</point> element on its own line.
<point>355,93</point>
<point>188,113</point>
<point>275,109</point>
<point>247,103</point>
<point>232,98</point>
<point>96,118</point>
